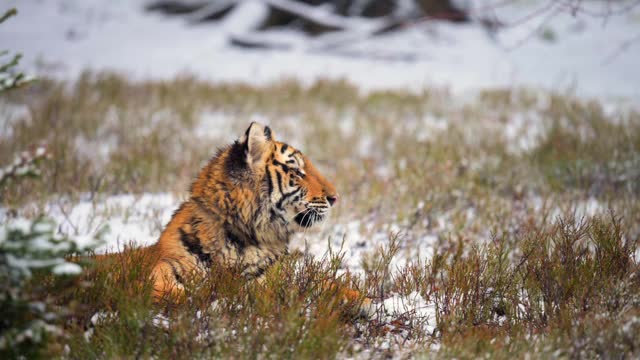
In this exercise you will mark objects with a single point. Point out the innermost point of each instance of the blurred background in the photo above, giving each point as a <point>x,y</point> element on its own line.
<point>587,47</point>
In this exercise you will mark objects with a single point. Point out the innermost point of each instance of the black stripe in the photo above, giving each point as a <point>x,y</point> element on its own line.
<point>285,196</point>
<point>174,271</point>
<point>270,182</point>
<point>273,214</point>
<point>234,240</point>
<point>267,132</point>
<point>261,267</point>
<point>192,244</point>
<point>284,148</point>
<point>279,177</point>
<point>319,207</point>
<point>195,222</point>
<point>259,273</point>
<point>285,167</point>
<point>239,241</point>
<point>245,145</point>
<point>235,164</point>
<point>291,161</point>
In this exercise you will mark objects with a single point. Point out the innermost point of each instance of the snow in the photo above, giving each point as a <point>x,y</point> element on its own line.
<point>217,126</point>
<point>631,326</point>
<point>358,239</point>
<point>246,17</point>
<point>34,244</point>
<point>160,320</point>
<point>67,269</point>
<point>120,220</point>
<point>555,50</point>
<point>19,224</point>
<point>523,132</point>
<point>139,219</point>
<point>581,209</point>
<point>413,304</point>
<point>9,116</point>
<point>25,264</point>
<point>73,35</point>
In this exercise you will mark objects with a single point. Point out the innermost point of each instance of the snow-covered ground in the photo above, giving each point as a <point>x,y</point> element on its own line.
<point>129,219</point>
<point>119,220</point>
<point>139,219</point>
<point>122,220</point>
<point>66,37</point>
<point>592,56</point>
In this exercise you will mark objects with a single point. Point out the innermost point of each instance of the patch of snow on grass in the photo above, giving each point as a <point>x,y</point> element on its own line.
<point>580,209</point>
<point>215,125</point>
<point>9,116</point>
<point>358,239</point>
<point>67,269</point>
<point>412,305</point>
<point>523,132</point>
<point>124,219</point>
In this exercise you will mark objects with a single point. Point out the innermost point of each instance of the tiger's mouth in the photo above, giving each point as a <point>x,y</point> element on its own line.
<point>309,218</point>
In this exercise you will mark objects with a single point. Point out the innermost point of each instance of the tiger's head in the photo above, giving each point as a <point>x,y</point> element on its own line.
<point>295,190</point>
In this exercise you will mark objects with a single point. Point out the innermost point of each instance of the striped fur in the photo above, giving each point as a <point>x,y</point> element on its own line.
<point>244,206</point>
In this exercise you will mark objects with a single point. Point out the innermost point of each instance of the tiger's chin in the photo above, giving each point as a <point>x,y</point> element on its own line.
<point>309,218</point>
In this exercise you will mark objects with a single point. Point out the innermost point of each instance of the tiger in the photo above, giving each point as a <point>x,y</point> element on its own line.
<point>243,208</point>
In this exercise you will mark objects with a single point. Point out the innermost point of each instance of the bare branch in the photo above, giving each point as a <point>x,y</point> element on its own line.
<point>625,45</point>
<point>213,10</point>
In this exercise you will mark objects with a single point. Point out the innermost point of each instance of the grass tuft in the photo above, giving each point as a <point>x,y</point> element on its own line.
<point>510,220</point>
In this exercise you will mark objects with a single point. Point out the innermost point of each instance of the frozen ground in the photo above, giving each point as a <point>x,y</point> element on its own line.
<point>131,219</point>
<point>140,218</point>
<point>588,55</point>
<point>578,54</point>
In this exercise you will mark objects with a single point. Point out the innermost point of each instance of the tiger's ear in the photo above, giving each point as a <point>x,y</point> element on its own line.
<point>257,141</point>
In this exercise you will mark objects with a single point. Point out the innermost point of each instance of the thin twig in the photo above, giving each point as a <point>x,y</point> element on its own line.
<point>625,45</point>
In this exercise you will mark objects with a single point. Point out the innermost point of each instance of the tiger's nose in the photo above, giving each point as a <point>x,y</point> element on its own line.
<point>332,199</point>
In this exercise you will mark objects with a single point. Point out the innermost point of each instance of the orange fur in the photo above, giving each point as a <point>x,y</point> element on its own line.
<point>243,208</point>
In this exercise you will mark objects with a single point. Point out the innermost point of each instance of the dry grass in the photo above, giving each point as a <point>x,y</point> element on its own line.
<point>501,181</point>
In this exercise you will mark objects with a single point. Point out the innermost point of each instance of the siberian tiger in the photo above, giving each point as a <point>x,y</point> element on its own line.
<point>243,208</point>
